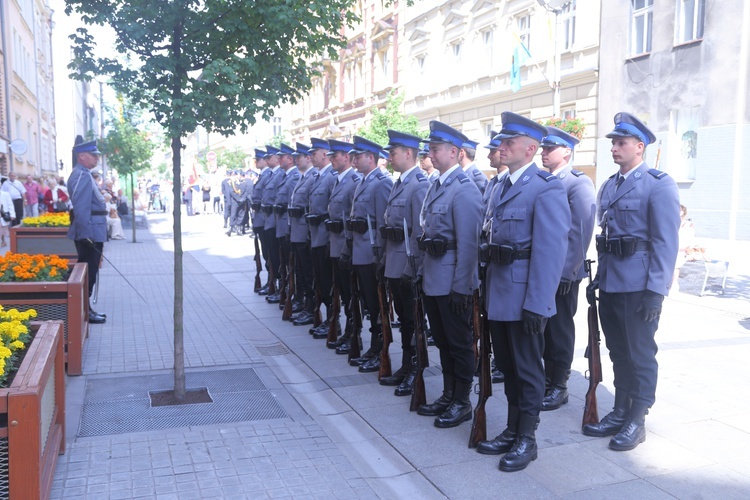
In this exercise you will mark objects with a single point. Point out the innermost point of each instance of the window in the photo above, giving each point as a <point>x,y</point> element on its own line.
<point>487,45</point>
<point>456,50</point>
<point>487,127</point>
<point>568,114</point>
<point>642,18</point>
<point>568,22</point>
<point>688,24</point>
<point>683,142</point>
<point>524,30</point>
<point>276,123</point>
<point>385,66</point>
<point>420,63</point>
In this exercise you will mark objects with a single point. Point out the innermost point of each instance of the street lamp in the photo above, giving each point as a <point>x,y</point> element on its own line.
<point>555,6</point>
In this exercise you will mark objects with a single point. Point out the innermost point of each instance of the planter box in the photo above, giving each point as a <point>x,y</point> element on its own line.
<point>66,301</point>
<point>32,410</point>
<point>43,240</point>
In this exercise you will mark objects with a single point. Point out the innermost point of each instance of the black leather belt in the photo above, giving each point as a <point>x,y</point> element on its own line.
<point>334,226</point>
<point>255,206</point>
<point>437,247</point>
<point>315,220</point>
<point>392,233</point>
<point>99,212</point>
<point>279,209</point>
<point>502,254</point>
<point>296,211</point>
<point>357,224</point>
<point>267,209</point>
<point>623,246</point>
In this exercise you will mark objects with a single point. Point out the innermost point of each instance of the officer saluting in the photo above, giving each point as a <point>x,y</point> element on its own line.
<point>451,218</point>
<point>402,213</point>
<point>639,212</point>
<point>527,244</point>
<point>560,333</point>
<point>88,228</point>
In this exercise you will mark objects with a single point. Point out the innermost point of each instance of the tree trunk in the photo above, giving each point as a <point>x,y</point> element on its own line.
<point>132,202</point>
<point>179,352</point>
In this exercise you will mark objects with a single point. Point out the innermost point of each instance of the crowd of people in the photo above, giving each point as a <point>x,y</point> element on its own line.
<point>332,221</point>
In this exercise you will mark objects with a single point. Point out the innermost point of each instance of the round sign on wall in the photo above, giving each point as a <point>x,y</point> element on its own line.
<point>211,156</point>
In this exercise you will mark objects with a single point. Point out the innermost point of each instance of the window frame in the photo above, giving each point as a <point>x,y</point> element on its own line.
<point>698,21</point>
<point>647,13</point>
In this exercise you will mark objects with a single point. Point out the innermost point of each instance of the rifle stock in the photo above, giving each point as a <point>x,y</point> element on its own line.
<point>333,330</point>
<point>355,350</point>
<point>385,355</point>
<point>593,354</point>
<point>290,289</point>
<point>479,424</point>
<point>418,395</point>
<point>317,317</point>
<point>258,265</point>
<point>282,277</point>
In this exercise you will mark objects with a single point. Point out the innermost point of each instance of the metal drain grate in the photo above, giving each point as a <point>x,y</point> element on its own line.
<point>277,349</point>
<point>122,404</point>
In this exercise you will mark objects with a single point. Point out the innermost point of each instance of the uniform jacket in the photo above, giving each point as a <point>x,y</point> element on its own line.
<point>405,202</point>
<point>370,200</point>
<point>491,185</point>
<point>86,198</point>
<point>320,195</point>
<point>477,176</point>
<point>582,203</point>
<point>340,206</point>
<point>269,196</point>
<point>452,211</point>
<point>284,190</point>
<point>259,218</point>
<point>300,198</point>
<point>647,206</point>
<point>237,190</point>
<point>534,215</point>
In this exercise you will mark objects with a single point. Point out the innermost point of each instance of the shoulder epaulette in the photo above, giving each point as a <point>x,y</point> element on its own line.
<point>476,172</point>
<point>356,177</point>
<point>612,176</point>
<point>546,175</point>
<point>462,178</point>
<point>577,173</point>
<point>421,177</point>
<point>379,175</point>
<point>657,173</point>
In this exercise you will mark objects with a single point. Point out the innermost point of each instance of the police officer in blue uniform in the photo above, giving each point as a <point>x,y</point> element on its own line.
<point>320,194</point>
<point>401,221</point>
<point>88,225</point>
<point>269,224</point>
<point>451,218</point>
<point>368,208</point>
<point>638,209</point>
<point>299,235</point>
<point>339,208</point>
<point>425,163</point>
<point>258,217</point>
<point>466,160</point>
<point>284,189</point>
<point>528,241</point>
<point>559,335</point>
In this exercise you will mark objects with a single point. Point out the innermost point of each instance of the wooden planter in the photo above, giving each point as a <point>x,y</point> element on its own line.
<point>43,240</point>
<point>32,414</point>
<point>66,301</point>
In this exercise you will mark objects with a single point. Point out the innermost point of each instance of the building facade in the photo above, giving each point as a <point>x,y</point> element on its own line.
<point>28,103</point>
<point>683,67</point>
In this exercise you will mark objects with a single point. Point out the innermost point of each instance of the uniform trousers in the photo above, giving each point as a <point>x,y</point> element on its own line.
<point>322,274</point>
<point>284,249</point>
<point>632,346</point>
<point>453,336</point>
<point>227,209</point>
<point>560,336</point>
<point>273,251</point>
<point>344,284</point>
<point>304,269</point>
<point>238,211</point>
<point>92,256</point>
<point>519,357</point>
<point>368,290</point>
<point>403,304</point>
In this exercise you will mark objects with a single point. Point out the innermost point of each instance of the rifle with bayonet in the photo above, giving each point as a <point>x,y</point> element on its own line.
<point>333,326</point>
<point>385,322</point>
<point>594,373</point>
<point>291,289</point>
<point>282,276</point>
<point>418,395</point>
<point>479,424</point>
<point>317,317</point>
<point>355,349</point>
<point>258,265</point>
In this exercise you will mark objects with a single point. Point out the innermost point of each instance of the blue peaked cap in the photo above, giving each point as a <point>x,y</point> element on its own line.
<point>302,150</point>
<point>442,133</point>
<point>396,138</point>
<point>259,154</point>
<point>470,144</point>
<point>338,146</point>
<point>285,149</point>
<point>270,151</point>
<point>319,144</point>
<point>362,145</point>
<point>424,150</point>
<point>515,125</point>
<point>86,147</point>
<point>493,144</point>
<point>627,125</point>
<point>557,137</point>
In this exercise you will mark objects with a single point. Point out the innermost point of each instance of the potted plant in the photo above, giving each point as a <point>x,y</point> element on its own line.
<point>32,403</point>
<point>56,290</point>
<point>46,234</point>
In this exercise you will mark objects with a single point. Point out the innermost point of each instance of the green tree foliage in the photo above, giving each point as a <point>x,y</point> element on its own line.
<point>128,149</point>
<point>215,63</point>
<point>391,117</point>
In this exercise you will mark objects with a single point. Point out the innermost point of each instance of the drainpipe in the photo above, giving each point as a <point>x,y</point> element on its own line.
<point>7,81</point>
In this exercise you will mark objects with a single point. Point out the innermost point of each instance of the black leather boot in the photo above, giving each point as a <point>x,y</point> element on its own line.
<point>441,404</point>
<point>524,449</point>
<point>400,374</point>
<point>344,343</point>
<point>406,387</point>
<point>633,432</point>
<point>367,356</point>
<point>341,340</point>
<point>503,442</point>
<point>373,364</point>
<point>323,327</point>
<point>460,408</point>
<point>613,421</point>
<point>555,398</point>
